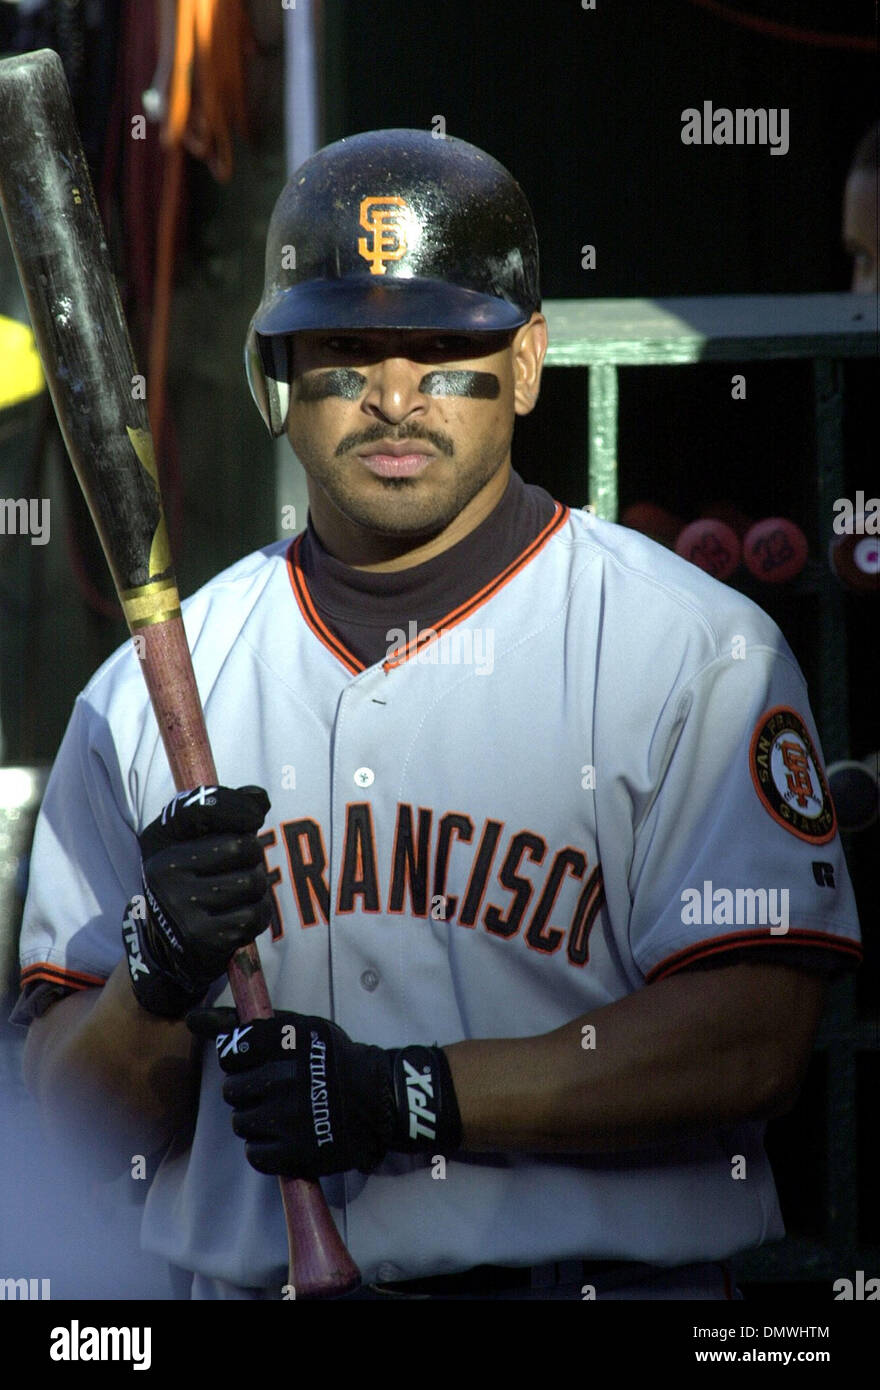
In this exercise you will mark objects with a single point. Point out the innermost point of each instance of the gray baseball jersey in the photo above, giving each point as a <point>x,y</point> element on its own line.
<point>600,770</point>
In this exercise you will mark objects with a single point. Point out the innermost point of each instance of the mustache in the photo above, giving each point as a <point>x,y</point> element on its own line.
<point>379,432</point>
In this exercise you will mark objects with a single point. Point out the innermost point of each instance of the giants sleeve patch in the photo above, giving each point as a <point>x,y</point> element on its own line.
<point>789,777</point>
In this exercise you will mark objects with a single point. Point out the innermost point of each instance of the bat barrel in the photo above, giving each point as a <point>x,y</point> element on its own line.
<point>64,266</point>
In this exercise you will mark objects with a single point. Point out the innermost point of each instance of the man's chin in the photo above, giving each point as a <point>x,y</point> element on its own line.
<point>410,523</point>
<point>406,509</point>
<point>397,507</point>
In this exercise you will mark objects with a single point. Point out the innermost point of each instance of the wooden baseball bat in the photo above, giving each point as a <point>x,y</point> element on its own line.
<point>79,326</point>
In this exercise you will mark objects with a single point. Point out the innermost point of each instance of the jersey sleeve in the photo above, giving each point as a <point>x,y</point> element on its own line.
<point>84,867</point>
<point>738,851</point>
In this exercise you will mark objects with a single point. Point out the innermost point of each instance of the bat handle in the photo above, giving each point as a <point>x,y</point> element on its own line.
<point>319,1264</point>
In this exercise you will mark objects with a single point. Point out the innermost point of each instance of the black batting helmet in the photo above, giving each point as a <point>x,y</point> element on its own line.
<point>391,229</point>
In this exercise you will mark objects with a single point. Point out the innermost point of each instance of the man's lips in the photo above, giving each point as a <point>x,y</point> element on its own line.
<point>396,460</point>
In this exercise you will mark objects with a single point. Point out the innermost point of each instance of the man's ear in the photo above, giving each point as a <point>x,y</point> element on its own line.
<point>528,347</point>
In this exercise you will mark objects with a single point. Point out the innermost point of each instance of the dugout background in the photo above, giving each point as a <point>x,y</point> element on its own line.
<point>584,107</point>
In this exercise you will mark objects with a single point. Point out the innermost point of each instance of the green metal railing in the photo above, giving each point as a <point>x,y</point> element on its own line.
<point>605,335</point>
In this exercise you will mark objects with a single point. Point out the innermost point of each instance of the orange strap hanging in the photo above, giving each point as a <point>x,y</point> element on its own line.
<point>207,92</point>
<point>206,104</point>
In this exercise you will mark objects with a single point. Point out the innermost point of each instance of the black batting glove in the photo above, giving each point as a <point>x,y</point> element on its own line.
<point>310,1102</point>
<point>206,893</point>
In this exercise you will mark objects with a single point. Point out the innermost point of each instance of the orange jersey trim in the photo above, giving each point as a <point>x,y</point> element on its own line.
<point>57,975</point>
<point>702,950</point>
<point>311,615</point>
<point>464,610</point>
<point>337,648</point>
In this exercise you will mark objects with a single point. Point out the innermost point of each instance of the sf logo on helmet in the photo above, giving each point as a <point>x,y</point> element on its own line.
<point>383,219</point>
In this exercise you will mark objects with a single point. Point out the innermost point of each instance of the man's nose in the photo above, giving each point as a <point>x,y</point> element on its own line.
<point>393,391</point>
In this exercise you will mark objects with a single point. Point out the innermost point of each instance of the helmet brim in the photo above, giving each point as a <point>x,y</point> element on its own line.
<point>395,302</point>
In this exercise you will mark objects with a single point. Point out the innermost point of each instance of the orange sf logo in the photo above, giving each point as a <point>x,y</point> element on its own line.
<point>800,784</point>
<point>382,218</point>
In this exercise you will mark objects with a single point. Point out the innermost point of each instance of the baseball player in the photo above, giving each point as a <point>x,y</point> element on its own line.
<point>527,815</point>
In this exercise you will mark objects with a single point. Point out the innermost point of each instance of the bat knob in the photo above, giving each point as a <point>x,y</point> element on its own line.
<point>320,1265</point>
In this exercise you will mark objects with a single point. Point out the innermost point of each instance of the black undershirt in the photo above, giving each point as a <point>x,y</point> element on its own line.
<point>362,606</point>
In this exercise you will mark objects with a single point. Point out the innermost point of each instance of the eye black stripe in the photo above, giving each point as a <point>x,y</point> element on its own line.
<point>476,385</point>
<point>339,381</point>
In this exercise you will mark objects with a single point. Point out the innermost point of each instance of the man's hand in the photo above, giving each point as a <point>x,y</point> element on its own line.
<point>206,894</point>
<point>309,1102</point>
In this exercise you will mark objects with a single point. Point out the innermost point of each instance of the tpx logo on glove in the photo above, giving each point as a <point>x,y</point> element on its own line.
<point>136,963</point>
<point>419,1089</point>
<point>232,1042</point>
<point>200,796</point>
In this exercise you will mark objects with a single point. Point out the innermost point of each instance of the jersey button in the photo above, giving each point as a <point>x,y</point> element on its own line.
<point>364,777</point>
<point>370,979</point>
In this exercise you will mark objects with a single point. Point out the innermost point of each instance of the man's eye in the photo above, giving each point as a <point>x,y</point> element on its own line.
<point>451,346</point>
<point>348,347</point>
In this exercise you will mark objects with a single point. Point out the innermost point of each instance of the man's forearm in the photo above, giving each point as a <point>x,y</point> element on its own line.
<point>689,1053</point>
<point>103,1068</point>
